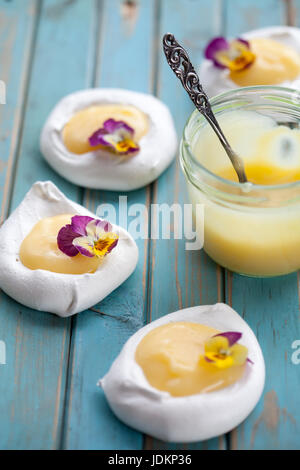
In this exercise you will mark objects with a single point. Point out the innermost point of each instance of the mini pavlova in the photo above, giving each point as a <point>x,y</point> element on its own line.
<point>106,138</point>
<point>56,256</point>
<point>189,376</point>
<point>267,56</point>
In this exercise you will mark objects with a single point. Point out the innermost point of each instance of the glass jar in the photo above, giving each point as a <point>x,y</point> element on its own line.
<point>253,229</point>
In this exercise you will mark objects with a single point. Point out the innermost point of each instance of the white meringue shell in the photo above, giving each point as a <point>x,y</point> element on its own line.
<point>190,418</point>
<point>63,294</point>
<point>99,169</point>
<point>216,80</point>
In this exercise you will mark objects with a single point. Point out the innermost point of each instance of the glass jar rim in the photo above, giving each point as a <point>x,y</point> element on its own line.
<point>222,98</point>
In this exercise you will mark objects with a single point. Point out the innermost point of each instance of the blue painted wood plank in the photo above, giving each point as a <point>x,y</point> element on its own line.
<point>63,63</point>
<point>181,278</point>
<point>270,306</point>
<point>17,27</point>
<point>32,384</point>
<point>125,60</point>
<point>245,15</point>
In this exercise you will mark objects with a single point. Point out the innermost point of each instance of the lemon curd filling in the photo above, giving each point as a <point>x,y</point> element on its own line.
<point>274,64</point>
<point>39,249</point>
<point>271,152</point>
<point>171,357</point>
<point>273,159</point>
<point>87,121</point>
<point>250,238</point>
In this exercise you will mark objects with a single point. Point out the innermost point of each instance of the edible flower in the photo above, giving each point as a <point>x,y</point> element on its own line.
<point>115,136</point>
<point>235,55</point>
<point>88,236</point>
<point>223,351</point>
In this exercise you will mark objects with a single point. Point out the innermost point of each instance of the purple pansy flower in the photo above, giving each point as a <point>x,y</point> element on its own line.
<point>214,46</point>
<point>88,236</point>
<point>232,336</point>
<point>116,136</point>
<point>236,55</point>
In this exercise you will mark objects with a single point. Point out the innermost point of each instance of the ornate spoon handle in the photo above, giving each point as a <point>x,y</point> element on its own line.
<point>181,65</point>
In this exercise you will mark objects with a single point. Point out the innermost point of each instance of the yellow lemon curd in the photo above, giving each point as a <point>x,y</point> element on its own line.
<point>171,357</point>
<point>39,249</point>
<point>253,240</point>
<point>273,159</point>
<point>87,121</point>
<point>274,64</point>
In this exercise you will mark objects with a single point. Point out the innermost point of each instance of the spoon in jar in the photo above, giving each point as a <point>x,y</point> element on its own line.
<point>181,65</point>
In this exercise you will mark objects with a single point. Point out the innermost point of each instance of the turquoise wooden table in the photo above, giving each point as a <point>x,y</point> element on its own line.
<point>48,393</point>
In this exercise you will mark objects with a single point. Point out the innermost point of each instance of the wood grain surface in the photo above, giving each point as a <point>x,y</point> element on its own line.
<point>48,393</point>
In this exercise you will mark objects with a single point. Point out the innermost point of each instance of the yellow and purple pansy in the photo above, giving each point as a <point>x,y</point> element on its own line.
<point>88,236</point>
<point>223,350</point>
<point>236,55</point>
<point>115,136</point>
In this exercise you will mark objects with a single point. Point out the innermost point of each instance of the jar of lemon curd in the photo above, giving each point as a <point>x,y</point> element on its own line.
<point>251,228</point>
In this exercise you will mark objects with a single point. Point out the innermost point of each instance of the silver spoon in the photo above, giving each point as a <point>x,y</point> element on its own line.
<point>181,65</point>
